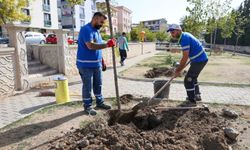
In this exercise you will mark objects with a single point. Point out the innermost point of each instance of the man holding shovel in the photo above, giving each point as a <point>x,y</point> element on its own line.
<point>191,49</point>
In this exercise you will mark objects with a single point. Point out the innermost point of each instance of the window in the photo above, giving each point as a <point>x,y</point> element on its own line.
<point>26,11</point>
<point>28,35</point>
<point>47,19</point>
<point>47,2</point>
<point>46,5</point>
<point>82,13</point>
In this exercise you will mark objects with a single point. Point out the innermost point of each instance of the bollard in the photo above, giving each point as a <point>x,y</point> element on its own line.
<point>61,90</point>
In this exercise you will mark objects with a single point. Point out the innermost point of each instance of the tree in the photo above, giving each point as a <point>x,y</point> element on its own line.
<point>227,25</point>
<point>161,36</point>
<point>244,12</point>
<point>216,9</point>
<point>134,35</point>
<point>11,10</point>
<point>72,4</point>
<point>195,21</point>
<point>239,28</point>
<point>101,6</point>
<point>149,35</point>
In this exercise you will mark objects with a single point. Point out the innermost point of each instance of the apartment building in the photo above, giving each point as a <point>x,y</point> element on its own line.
<point>43,15</point>
<point>83,14</point>
<point>114,17</point>
<point>124,19</point>
<point>156,25</point>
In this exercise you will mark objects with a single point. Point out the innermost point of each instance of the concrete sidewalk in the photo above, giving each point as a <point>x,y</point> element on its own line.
<point>16,107</point>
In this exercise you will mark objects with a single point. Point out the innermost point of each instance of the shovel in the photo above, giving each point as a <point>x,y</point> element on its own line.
<point>152,101</point>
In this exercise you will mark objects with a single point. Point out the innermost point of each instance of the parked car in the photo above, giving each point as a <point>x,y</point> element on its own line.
<point>34,38</point>
<point>52,39</point>
<point>4,40</point>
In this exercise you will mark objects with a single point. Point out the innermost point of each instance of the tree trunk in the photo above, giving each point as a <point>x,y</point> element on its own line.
<point>211,43</point>
<point>215,35</point>
<point>225,41</point>
<point>236,45</point>
<point>113,56</point>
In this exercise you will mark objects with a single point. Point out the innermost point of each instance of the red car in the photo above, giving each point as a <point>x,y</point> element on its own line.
<point>52,39</point>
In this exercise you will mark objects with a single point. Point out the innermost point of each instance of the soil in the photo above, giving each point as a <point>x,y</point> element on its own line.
<point>157,72</point>
<point>126,98</point>
<point>150,128</point>
<point>162,71</point>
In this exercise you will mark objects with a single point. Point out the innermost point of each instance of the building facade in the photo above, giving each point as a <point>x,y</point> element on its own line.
<point>124,19</point>
<point>43,15</point>
<point>83,14</point>
<point>155,25</point>
<point>101,6</point>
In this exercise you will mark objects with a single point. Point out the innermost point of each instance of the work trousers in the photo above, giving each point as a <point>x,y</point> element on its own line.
<point>190,81</point>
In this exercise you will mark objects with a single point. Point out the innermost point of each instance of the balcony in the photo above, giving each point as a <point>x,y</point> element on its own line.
<point>46,7</point>
<point>47,23</point>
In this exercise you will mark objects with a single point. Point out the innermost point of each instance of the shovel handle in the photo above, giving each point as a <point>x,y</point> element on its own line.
<point>167,83</point>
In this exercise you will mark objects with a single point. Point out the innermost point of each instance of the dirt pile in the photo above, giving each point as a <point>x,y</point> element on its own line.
<point>151,129</point>
<point>157,72</point>
<point>126,98</point>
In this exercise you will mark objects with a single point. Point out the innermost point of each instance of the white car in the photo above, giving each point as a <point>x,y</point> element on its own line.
<point>34,38</point>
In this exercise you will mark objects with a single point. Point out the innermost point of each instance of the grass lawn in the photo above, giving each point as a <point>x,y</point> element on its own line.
<point>223,68</point>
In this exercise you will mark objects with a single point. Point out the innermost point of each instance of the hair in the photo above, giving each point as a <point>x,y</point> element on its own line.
<point>99,14</point>
<point>123,33</point>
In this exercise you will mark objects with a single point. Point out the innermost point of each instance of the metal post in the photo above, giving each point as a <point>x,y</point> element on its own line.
<point>113,54</point>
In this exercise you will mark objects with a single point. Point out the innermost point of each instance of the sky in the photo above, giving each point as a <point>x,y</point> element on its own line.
<point>172,10</point>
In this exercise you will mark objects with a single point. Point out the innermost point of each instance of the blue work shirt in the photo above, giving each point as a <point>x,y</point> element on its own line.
<point>87,58</point>
<point>196,51</point>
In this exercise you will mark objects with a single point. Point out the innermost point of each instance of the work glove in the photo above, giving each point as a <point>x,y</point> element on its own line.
<point>111,43</point>
<point>104,66</point>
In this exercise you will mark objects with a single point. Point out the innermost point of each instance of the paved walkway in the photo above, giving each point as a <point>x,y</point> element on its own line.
<point>16,107</point>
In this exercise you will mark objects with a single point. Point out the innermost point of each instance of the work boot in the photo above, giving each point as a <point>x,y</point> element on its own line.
<point>189,103</point>
<point>90,111</point>
<point>198,97</point>
<point>103,106</point>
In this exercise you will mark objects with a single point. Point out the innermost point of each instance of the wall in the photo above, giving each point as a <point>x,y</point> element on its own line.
<point>7,73</point>
<point>46,54</point>
<point>242,49</point>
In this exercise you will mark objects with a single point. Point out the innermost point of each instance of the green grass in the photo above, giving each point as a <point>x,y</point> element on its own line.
<point>158,61</point>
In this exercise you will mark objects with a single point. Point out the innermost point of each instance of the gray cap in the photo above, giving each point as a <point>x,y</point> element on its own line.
<point>172,27</point>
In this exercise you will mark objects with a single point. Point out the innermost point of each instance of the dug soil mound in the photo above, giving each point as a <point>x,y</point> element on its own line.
<point>157,72</point>
<point>150,129</point>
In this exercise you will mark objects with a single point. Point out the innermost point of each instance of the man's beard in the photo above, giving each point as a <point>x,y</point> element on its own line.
<point>176,37</point>
<point>98,26</point>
